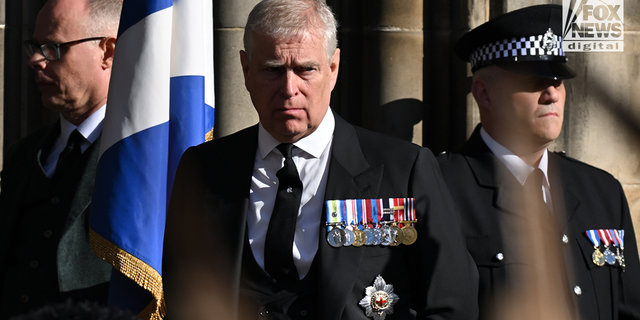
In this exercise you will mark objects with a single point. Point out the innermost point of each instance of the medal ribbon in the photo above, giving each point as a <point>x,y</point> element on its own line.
<point>376,209</point>
<point>399,213</point>
<point>360,205</point>
<point>378,212</point>
<point>348,212</point>
<point>594,237</point>
<point>334,216</point>
<point>353,214</point>
<point>621,233</point>
<point>409,211</point>
<point>604,238</point>
<point>387,210</point>
<point>613,236</point>
<point>370,209</point>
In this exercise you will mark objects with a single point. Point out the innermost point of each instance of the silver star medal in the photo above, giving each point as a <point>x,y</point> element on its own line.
<point>379,299</point>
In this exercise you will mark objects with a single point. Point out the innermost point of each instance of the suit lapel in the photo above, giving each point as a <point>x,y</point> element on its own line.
<point>350,177</point>
<point>349,172</point>
<point>565,199</point>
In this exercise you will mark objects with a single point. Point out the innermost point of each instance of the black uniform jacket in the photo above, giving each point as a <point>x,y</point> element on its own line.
<point>584,198</point>
<point>206,230</point>
<point>80,273</point>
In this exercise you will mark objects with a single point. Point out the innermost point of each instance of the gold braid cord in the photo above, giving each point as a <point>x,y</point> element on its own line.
<point>136,270</point>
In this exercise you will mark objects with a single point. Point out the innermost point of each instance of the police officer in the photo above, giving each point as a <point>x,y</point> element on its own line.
<point>546,232</point>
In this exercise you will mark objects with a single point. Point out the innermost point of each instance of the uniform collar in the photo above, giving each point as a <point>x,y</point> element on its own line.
<point>313,144</point>
<point>516,166</point>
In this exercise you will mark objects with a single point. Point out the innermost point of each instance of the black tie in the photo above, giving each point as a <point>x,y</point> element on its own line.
<point>69,154</point>
<point>278,249</point>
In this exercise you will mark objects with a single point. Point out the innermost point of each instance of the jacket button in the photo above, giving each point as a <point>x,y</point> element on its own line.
<point>577,290</point>
<point>55,200</point>
<point>34,264</point>
<point>303,313</point>
<point>565,239</point>
<point>48,233</point>
<point>24,299</point>
<point>263,313</point>
<point>500,256</point>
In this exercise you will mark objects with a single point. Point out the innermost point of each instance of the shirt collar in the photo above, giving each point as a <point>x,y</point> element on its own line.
<point>313,144</point>
<point>516,166</point>
<point>90,128</point>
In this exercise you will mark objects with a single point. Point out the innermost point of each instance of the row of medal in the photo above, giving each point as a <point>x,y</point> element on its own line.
<point>613,241</point>
<point>371,222</point>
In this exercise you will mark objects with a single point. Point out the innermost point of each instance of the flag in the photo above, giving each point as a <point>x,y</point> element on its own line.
<point>160,103</point>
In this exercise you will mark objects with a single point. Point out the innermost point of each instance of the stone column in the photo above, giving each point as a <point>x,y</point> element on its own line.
<point>234,110</point>
<point>446,81</point>
<point>346,98</point>
<point>391,63</point>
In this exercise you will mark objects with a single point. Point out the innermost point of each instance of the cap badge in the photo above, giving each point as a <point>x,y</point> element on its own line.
<point>379,299</point>
<point>550,42</point>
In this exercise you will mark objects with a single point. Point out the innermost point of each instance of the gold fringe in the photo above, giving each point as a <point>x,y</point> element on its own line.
<point>136,270</point>
<point>209,135</point>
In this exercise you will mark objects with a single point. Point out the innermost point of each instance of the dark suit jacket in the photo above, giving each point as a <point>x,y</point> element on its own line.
<point>206,228</point>
<point>584,198</point>
<point>77,266</point>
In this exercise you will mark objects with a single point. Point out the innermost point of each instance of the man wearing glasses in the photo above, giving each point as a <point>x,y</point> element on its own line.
<point>48,176</point>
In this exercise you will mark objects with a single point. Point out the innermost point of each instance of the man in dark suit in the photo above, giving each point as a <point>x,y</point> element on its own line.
<point>527,212</point>
<point>47,179</point>
<point>247,233</point>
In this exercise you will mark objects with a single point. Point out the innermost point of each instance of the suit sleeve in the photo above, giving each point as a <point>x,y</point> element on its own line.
<point>629,285</point>
<point>446,270</point>
<point>195,274</point>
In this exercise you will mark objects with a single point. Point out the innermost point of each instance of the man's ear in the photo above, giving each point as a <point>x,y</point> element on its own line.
<point>244,61</point>
<point>480,88</point>
<point>108,46</point>
<point>335,66</point>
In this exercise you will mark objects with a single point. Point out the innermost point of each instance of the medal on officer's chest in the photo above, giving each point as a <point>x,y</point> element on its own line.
<point>597,257</point>
<point>349,237</point>
<point>621,241</point>
<point>335,234</point>
<point>360,239</point>
<point>379,299</point>
<point>609,257</point>
<point>613,241</point>
<point>410,235</point>
<point>358,222</point>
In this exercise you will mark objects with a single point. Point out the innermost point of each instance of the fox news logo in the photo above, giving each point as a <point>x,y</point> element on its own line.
<point>593,25</point>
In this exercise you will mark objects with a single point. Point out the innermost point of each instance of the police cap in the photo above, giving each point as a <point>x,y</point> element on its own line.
<point>526,41</point>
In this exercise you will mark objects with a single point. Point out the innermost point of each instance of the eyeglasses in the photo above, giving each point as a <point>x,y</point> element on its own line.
<point>51,51</point>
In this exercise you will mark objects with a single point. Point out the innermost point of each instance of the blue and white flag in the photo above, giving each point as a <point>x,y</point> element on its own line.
<point>160,103</point>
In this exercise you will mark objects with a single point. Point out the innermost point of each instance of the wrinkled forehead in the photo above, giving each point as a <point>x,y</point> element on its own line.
<point>264,41</point>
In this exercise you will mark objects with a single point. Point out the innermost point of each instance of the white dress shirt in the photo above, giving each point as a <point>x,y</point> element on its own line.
<point>312,161</point>
<point>518,167</point>
<point>90,129</point>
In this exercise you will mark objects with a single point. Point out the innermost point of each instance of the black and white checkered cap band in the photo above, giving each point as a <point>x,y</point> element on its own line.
<point>547,44</point>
